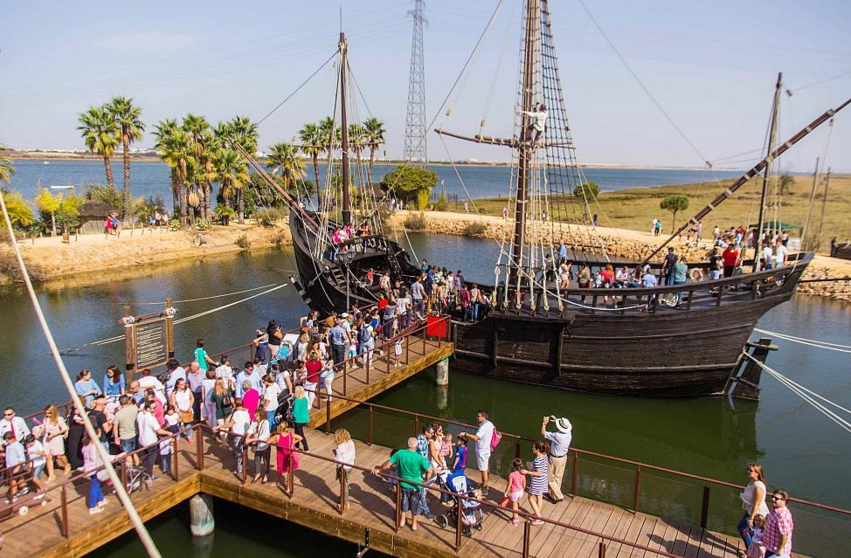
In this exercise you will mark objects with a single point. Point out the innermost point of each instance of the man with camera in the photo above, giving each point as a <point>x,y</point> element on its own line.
<point>559,446</point>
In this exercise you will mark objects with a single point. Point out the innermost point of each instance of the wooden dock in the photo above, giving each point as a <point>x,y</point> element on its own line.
<point>206,467</point>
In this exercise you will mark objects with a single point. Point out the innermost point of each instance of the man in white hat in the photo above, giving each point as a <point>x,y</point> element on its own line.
<point>559,446</point>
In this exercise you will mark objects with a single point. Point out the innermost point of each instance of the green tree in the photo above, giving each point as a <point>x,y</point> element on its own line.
<point>311,146</point>
<point>162,131</point>
<point>20,213</point>
<point>203,150</point>
<point>786,183</point>
<point>107,194</point>
<point>178,154</point>
<point>144,208</point>
<point>284,160</point>
<point>224,213</point>
<point>49,204</point>
<point>411,184</point>
<point>374,137</point>
<point>587,191</point>
<point>233,176</point>
<point>674,204</point>
<point>100,134</point>
<point>329,135</point>
<point>244,132</point>
<point>128,120</point>
<point>68,215</point>
<point>7,166</point>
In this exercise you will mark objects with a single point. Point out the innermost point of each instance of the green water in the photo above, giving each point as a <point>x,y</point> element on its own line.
<point>800,449</point>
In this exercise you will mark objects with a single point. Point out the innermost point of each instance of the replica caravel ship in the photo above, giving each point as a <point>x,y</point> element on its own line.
<point>682,340</point>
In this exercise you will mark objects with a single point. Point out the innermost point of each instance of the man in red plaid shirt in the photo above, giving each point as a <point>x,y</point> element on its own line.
<point>778,527</point>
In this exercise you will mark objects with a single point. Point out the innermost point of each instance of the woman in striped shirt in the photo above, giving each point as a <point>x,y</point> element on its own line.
<point>539,483</point>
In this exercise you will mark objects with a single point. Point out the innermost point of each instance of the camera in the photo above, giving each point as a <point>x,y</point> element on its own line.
<point>552,418</point>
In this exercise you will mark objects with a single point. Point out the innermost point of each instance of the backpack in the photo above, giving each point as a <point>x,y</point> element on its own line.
<point>364,335</point>
<point>495,439</point>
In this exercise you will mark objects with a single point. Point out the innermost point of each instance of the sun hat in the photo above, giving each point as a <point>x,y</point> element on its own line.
<point>564,425</point>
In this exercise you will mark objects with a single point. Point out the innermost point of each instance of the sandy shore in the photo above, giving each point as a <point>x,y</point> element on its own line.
<point>49,259</point>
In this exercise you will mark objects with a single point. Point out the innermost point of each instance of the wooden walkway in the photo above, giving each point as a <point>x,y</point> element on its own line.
<point>362,383</point>
<point>314,503</point>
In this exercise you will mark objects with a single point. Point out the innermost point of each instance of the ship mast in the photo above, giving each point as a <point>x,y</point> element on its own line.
<point>526,146</point>
<point>772,135</point>
<point>347,202</point>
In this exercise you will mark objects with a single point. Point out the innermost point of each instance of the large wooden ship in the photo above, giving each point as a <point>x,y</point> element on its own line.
<point>615,341</point>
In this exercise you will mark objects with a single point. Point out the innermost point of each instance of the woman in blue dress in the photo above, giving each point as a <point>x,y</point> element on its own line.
<point>539,483</point>
<point>86,388</point>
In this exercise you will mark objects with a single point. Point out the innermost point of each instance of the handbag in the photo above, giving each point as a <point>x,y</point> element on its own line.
<point>504,502</point>
<point>186,416</point>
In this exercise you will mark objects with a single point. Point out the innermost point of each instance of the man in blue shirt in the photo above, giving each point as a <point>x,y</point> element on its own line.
<point>337,337</point>
<point>252,375</point>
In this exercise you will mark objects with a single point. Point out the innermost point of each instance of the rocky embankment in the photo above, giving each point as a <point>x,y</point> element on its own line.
<point>627,244</point>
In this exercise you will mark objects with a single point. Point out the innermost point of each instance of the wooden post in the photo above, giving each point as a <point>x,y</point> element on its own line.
<point>343,482</point>
<point>345,373</point>
<point>66,530</point>
<point>527,535</point>
<point>601,550</point>
<point>244,461</point>
<point>745,385</point>
<point>517,448</point>
<point>704,507</point>
<point>129,345</point>
<point>459,507</point>
<point>635,500</point>
<point>575,473</point>
<point>398,506</point>
<point>199,448</point>
<point>371,422</point>
<point>407,352</point>
<point>124,472</point>
<point>366,357</point>
<point>290,474</point>
<point>328,415</point>
<point>175,472</point>
<point>416,425</point>
<point>169,327</point>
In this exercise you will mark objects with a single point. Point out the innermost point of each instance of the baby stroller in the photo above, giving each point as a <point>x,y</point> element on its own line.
<point>471,510</point>
<point>136,477</point>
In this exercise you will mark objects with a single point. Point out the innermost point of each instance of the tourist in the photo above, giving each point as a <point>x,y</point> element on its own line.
<point>222,400</point>
<point>113,383</point>
<point>195,379</point>
<point>779,527</point>
<point>159,406</point>
<point>75,439</point>
<point>418,299</point>
<point>182,400</point>
<point>767,258</point>
<point>345,453</point>
<point>250,397</point>
<point>460,461</point>
<point>55,430</point>
<point>38,457</point>
<point>275,335</point>
<point>124,428</point>
<point>730,259</point>
<point>326,378</point>
<point>483,438</point>
<point>136,392</point>
<point>148,428</point>
<point>175,372</point>
<point>564,275</point>
<point>594,220</point>
<point>166,443</point>
<point>475,302</point>
<point>285,442</point>
<point>757,547</point>
<point>208,406</point>
<point>225,372</point>
<point>92,461</point>
<point>15,461</point>
<point>668,266</point>
<point>366,339</point>
<point>237,425</point>
<point>780,253</point>
<point>258,433</point>
<point>680,274</point>
<point>466,303</point>
<point>423,446</point>
<point>310,374</point>
<point>753,502</point>
<point>540,481</point>
<point>250,375</point>
<point>98,417</point>
<point>714,265</point>
<point>514,489</point>
<point>338,339</point>
<point>149,381</point>
<point>410,467</point>
<point>204,360</point>
<point>86,387</point>
<point>301,415</point>
<point>14,424</point>
<point>269,400</point>
<point>284,380</point>
<point>559,446</point>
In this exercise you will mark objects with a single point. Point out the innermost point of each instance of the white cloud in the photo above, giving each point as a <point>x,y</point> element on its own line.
<point>148,41</point>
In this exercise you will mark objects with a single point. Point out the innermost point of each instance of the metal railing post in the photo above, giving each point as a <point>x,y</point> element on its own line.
<point>635,500</point>
<point>371,423</point>
<point>459,508</point>
<point>704,507</point>
<point>291,474</point>
<point>66,530</point>
<point>398,506</point>
<point>244,460</point>
<point>366,364</point>
<point>343,482</point>
<point>517,448</point>
<point>175,459</point>
<point>601,550</point>
<point>407,350</point>
<point>345,374</point>
<point>527,535</point>
<point>328,415</point>
<point>199,447</point>
<point>575,473</point>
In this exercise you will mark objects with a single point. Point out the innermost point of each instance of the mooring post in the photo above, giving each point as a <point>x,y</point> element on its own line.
<point>442,377</point>
<point>745,383</point>
<point>201,521</point>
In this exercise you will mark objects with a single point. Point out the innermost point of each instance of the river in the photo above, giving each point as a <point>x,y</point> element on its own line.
<point>800,449</point>
<point>150,178</point>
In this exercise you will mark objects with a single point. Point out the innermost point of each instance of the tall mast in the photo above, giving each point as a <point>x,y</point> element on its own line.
<point>526,148</point>
<point>347,202</point>
<point>772,135</point>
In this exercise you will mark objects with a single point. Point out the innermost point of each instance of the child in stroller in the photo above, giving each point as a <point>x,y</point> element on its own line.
<point>471,509</point>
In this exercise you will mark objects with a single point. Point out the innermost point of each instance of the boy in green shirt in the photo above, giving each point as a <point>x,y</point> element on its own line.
<point>410,466</point>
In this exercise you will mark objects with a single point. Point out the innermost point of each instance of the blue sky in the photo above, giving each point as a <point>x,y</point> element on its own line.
<point>712,66</point>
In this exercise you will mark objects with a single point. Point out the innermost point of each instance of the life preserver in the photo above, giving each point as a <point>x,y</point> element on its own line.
<point>696,274</point>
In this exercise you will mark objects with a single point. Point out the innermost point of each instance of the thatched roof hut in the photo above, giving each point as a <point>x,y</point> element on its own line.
<point>95,209</point>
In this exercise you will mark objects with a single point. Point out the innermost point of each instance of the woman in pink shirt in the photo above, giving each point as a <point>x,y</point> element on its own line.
<point>516,488</point>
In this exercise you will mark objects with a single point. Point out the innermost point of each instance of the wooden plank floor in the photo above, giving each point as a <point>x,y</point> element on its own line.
<point>383,374</point>
<point>314,503</point>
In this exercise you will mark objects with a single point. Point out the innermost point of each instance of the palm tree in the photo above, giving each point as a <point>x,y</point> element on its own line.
<point>100,133</point>
<point>177,153</point>
<point>199,129</point>
<point>7,167</point>
<point>211,145</point>
<point>311,146</point>
<point>374,135</point>
<point>128,120</point>
<point>284,161</point>
<point>233,176</point>
<point>329,135</point>
<point>244,132</point>
<point>161,131</point>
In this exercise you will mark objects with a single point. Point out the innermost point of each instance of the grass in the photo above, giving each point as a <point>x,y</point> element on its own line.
<point>635,208</point>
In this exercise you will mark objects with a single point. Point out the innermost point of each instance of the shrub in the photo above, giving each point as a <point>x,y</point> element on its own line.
<point>475,228</point>
<point>415,222</point>
<point>587,191</point>
<point>442,204</point>
<point>243,242</point>
<point>202,224</point>
<point>267,217</point>
<point>174,225</point>
<point>280,238</point>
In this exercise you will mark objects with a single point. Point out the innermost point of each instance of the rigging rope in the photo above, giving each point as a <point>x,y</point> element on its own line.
<point>105,458</point>
<point>643,87</point>
<point>297,89</point>
<point>204,298</point>
<point>807,395</point>
<point>810,342</point>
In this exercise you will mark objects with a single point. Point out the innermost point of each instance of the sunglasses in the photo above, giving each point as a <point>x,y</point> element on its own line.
<point>779,498</point>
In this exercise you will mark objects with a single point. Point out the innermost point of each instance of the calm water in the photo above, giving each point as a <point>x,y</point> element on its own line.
<point>481,181</point>
<point>800,449</point>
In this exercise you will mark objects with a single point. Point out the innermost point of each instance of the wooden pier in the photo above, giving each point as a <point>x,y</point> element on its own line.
<point>583,528</point>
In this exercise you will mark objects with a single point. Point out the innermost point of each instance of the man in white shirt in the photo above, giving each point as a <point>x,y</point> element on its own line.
<point>483,437</point>
<point>149,381</point>
<point>780,253</point>
<point>559,446</point>
<point>147,428</point>
<point>225,372</point>
<point>15,425</point>
<point>176,372</point>
<point>252,376</point>
<point>238,423</point>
